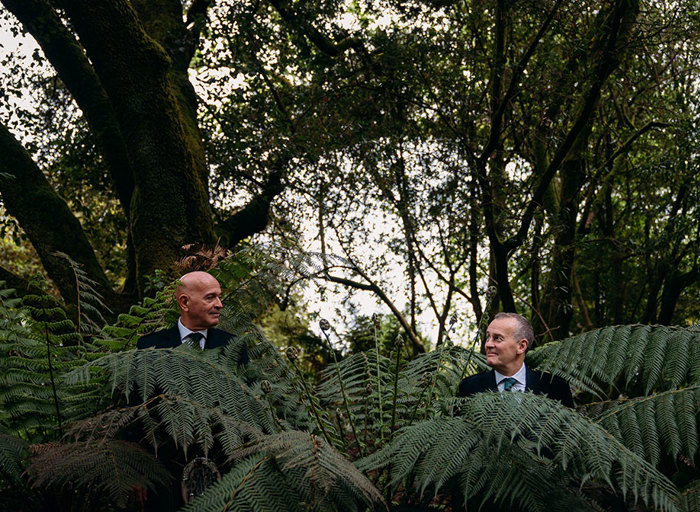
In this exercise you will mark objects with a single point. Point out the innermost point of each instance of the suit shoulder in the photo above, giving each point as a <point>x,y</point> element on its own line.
<point>153,339</point>
<point>219,332</point>
<point>552,380</point>
<point>474,384</point>
<point>477,377</point>
<point>556,387</point>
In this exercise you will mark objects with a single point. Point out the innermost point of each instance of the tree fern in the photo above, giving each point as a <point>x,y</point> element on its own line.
<point>194,389</point>
<point>90,304</point>
<point>39,343</point>
<point>501,436</point>
<point>151,314</point>
<point>689,498</point>
<point>306,468</point>
<point>109,471</point>
<point>629,359</point>
<point>666,422</point>
<point>13,451</point>
<point>254,484</point>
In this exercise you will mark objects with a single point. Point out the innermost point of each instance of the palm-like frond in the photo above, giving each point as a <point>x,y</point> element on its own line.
<point>689,498</point>
<point>114,468</point>
<point>315,469</point>
<point>289,471</point>
<point>191,392</point>
<point>13,451</point>
<point>151,314</point>
<point>629,359</point>
<point>666,422</point>
<point>90,303</point>
<point>285,394</point>
<point>38,344</point>
<point>515,447</point>
<point>254,484</point>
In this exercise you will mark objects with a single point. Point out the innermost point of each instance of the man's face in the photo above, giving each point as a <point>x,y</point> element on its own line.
<point>200,301</point>
<point>504,352</point>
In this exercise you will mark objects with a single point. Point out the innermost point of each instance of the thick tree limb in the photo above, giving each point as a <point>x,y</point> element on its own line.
<point>615,31</point>
<point>162,21</point>
<point>256,214</point>
<point>47,221</point>
<point>135,72</point>
<point>73,68</point>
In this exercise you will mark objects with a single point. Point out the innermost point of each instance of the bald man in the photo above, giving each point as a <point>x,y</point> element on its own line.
<point>199,300</point>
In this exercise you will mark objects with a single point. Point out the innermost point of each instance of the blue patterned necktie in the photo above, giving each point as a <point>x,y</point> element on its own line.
<point>193,339</point>
<point>508,383</point>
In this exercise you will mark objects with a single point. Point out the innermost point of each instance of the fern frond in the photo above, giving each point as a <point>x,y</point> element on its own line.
<point>666,422</point>
<point>689,498</point>
<point>151,314</point>
<point>254,484</point>
<point>90,302</point>
<point>324,471</point>
<point>13,451</point>
<point>190,393</point>
<point>115,468</point>
<point>527,434</point>
<point>633,359</point>
<point>39,344</point>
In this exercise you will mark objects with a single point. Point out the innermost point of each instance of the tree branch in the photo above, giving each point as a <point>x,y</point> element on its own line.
<point>255,215</point>
<point>304,27</point>
<point>47,221</point>
<point>73,68</point>
<point>615,31</point>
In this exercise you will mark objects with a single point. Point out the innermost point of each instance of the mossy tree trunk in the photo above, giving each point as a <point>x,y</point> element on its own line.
<point>125,63</point>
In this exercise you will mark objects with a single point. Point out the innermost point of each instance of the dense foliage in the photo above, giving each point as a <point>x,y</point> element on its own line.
<point>93,424</point>
<point>547,148</point>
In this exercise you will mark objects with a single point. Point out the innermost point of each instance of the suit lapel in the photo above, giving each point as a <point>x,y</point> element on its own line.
<point>491,384</point>
<point>217,338</point>
<point>532,380</point>
<point>172,337</point>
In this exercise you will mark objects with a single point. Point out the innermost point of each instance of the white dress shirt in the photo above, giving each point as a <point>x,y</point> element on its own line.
<point>519,377</point>
<point>184,332</point>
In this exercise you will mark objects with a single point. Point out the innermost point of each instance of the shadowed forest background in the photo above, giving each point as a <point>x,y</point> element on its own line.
<point>448,159</point>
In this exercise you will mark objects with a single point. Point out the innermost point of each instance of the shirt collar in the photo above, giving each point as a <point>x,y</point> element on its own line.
<point>519,376</point>
<point>184,331</point>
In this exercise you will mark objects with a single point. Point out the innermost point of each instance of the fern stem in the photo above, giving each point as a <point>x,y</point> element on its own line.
<point>415,407</point>
<point>379,386</point>
<point>77,291</point>
<point>51,377</point>
<point>245,479</point>
<point>341,429</point>
<point>272,413</point>
<point>345,397</point>
<point>433,380</point>
<point>396,387</point>
<point>311,401</point>
<point>367,399</point>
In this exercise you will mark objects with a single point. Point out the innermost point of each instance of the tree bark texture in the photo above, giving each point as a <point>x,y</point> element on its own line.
<point>126,65</point>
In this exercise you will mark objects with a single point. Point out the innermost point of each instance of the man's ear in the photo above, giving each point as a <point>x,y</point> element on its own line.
<point>522,346</point>
<point>182,302</point>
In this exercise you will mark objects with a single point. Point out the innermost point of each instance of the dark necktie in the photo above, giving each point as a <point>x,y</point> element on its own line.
<point>193,339</point>
<point>508,383</point>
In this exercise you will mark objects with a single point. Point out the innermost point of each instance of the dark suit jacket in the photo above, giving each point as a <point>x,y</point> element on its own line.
<point>539,383</point>
<point>170,338</point>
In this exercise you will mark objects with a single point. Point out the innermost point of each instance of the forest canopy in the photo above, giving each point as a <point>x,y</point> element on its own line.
<point>447,158</point>
<point>547,149</point>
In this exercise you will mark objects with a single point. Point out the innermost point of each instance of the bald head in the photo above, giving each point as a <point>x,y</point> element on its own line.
<point>199,299</point>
